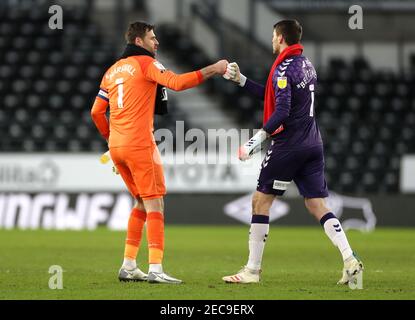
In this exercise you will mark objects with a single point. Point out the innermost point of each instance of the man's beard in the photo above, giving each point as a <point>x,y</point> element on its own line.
<point>150,49</point>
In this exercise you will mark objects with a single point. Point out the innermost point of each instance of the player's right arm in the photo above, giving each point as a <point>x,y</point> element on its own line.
<point>233,73</point>
<point>154,70</point>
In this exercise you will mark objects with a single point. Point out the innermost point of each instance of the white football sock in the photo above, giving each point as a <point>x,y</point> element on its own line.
<point>155,267</point>
<point>334,231</point>
<point>257,236</point>
<point>129,264</point>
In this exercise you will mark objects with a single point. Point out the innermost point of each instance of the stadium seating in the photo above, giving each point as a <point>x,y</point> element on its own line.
<point>49,80</point>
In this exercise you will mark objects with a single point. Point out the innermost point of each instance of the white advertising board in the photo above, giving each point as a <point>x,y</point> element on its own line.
<point>84,173</point>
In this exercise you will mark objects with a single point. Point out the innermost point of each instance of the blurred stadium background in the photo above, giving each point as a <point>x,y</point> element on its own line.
<point>49,171</point>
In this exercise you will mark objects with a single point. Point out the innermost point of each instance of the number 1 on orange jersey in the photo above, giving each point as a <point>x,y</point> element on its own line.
<point>120,83</point>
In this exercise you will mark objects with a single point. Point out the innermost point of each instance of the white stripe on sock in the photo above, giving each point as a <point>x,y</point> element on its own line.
<point>155,267</point>
<point>129,264</point>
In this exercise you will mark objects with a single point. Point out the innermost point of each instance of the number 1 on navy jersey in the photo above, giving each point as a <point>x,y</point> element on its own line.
<point>311,87</point>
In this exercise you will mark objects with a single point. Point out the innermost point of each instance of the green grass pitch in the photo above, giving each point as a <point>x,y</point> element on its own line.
<point>299,263</point>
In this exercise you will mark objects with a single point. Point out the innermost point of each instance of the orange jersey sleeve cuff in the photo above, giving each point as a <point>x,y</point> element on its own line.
<point>200,76</point>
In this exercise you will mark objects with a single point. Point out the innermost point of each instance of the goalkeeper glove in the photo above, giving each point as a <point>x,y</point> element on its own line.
<point>253,145</point>
<point>233,73</point>
<point>105,158</point>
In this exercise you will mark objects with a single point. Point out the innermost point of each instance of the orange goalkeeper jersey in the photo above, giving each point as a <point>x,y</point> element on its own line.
<point>129,87</point>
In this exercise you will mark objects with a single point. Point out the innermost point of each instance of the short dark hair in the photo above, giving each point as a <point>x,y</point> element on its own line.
<point>137,29</point>
<point>290,30</point>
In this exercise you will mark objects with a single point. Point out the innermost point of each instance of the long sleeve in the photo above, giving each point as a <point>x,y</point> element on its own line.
<point>155,71</point>
<point>282,106</point>
<point>254,88</point>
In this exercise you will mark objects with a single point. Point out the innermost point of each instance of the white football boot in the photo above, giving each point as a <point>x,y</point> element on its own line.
<point>352,268</point>
<point>245,275</point>
<point>131,275</point>
<point>161,277</point>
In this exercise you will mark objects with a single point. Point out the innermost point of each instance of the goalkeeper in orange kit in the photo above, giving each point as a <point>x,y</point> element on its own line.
<point>134,89</point>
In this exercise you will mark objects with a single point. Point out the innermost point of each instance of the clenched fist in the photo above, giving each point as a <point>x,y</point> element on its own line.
<point>220,66</point>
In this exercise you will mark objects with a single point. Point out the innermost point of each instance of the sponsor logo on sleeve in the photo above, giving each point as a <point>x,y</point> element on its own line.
<point>159,66</point>
<point>282,82</point>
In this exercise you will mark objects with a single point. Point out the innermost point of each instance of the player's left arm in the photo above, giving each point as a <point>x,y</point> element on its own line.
<point>98,113</point>
<point>234,74</point>
<point>282,89</point>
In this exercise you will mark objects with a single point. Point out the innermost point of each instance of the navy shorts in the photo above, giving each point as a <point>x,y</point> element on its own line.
<point>305,167</point>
